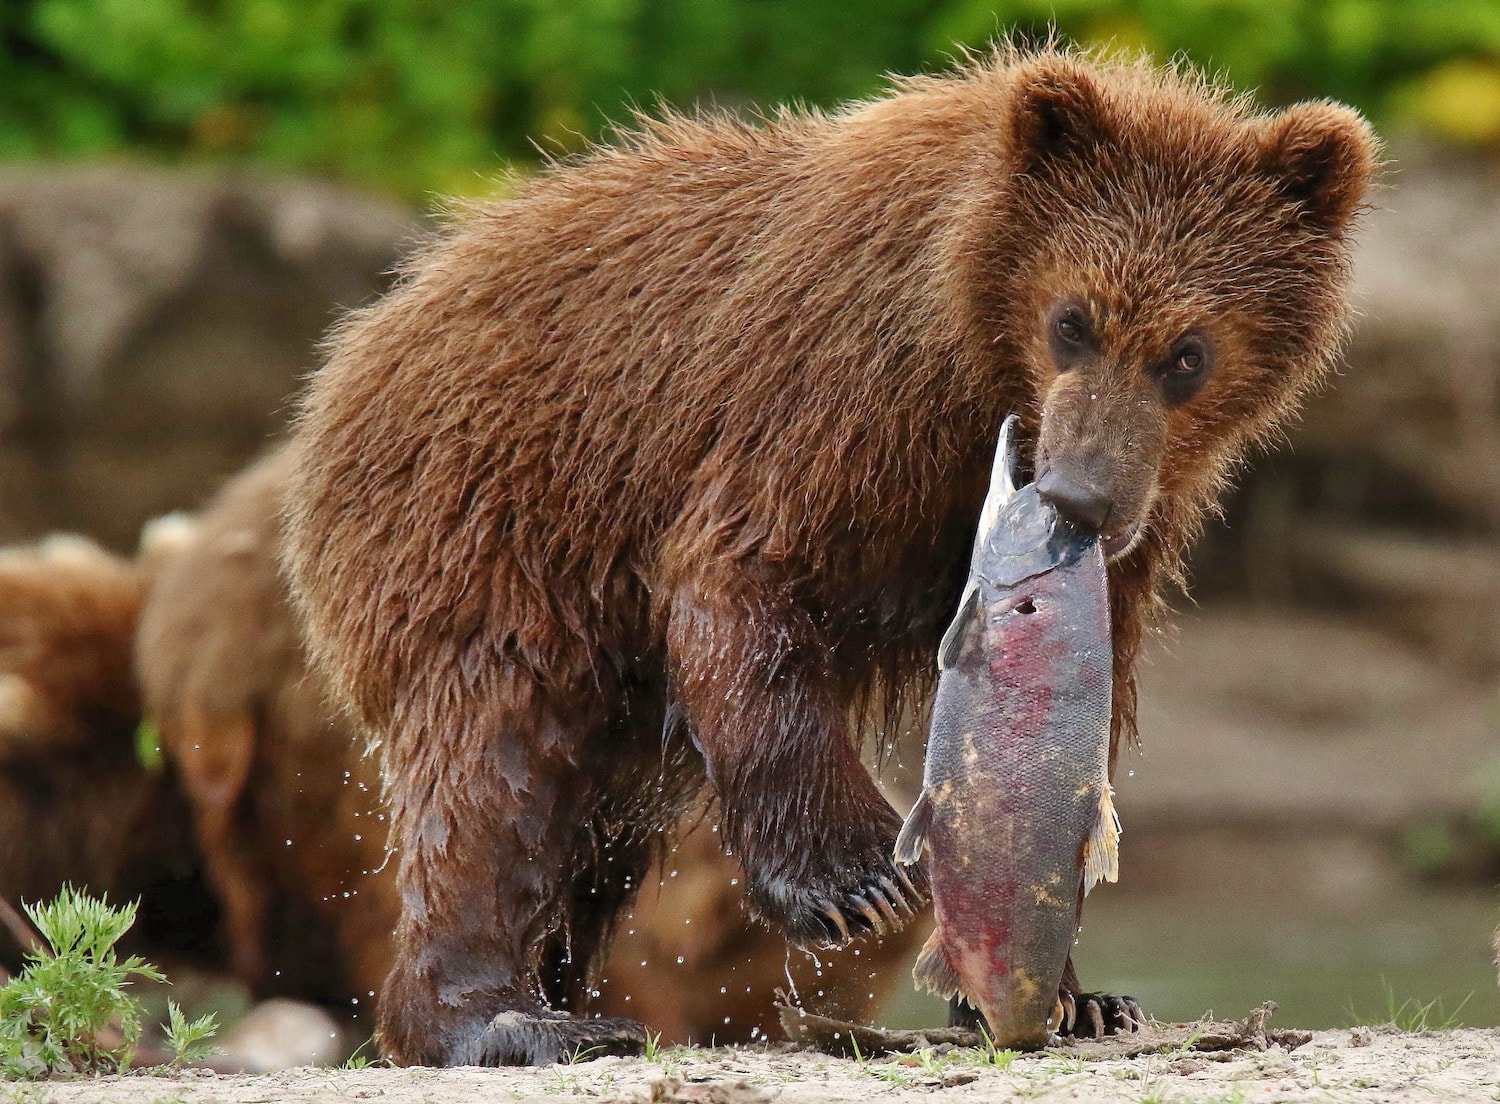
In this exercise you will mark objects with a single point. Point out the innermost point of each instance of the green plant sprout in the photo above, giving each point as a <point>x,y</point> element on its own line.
<point>68,1011</point>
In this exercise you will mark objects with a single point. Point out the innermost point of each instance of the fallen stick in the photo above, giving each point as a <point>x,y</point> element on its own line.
<point>856,1040</point>
<point>1206,1036</point>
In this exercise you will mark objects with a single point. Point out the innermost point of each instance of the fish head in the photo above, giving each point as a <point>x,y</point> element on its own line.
<point>1022,533</point>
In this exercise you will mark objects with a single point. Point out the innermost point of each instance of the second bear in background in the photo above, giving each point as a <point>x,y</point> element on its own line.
<point>286,811</point>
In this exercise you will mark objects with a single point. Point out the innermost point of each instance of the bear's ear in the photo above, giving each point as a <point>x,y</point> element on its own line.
<point>1322,157</point>
<point>1058,115</point>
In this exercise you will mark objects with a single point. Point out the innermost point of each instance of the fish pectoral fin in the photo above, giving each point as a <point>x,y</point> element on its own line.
<point>1101,851</point>
<point>934,972</point>
<point>953,638</point>
<point>912,841</point>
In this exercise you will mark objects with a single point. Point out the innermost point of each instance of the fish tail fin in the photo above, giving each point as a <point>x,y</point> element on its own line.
<point>934,972</point>
<point>913,838</point>
<point>1101,852</point>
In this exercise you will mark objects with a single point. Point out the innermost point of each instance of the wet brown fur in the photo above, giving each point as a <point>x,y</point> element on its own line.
<point>255,756</point>
<point>687,440</point>
<point>287,816</point>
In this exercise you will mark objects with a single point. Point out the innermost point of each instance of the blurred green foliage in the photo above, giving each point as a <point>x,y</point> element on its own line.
<point>413,96</point>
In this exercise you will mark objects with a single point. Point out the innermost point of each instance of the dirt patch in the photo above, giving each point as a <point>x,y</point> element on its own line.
<point>1204,1061</point>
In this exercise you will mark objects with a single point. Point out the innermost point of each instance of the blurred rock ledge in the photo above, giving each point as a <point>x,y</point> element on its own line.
<point>153,326</point>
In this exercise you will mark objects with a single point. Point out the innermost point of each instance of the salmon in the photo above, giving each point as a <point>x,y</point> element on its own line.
<point>1016,815</point>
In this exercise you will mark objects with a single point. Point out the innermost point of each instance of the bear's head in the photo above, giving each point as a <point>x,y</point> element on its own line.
<point>1176,274</point>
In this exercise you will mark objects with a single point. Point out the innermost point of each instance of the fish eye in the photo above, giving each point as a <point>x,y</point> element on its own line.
<point>1027,606</point>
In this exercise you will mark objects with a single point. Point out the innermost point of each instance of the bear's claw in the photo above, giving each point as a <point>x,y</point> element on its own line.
<point>1084,1015</point>
<point>1095,1015</point>
<point>876,904</point>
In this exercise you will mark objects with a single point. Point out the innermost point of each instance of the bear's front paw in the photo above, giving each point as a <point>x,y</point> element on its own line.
<point>539,1038</point>
<point>1095,1015</point>
<point>879,897</point>
<point>1084,1015</point>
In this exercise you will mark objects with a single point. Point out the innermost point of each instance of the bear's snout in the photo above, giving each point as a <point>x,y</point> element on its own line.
<point>1085,506</point>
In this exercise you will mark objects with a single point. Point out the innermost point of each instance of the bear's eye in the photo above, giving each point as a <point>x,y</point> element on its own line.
<point>1069,329</point>
<point>1068,334</point>
<point>1185,369</point>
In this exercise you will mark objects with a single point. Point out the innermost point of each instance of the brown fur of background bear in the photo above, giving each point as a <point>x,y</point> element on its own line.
<point>283,808</point>
<point>652,470</point>
<point>76,802</point>
<point>292,834</point>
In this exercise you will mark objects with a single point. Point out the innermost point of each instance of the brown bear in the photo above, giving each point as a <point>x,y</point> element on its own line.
<point>292,833</point>
<point>77,803</point>
<point>284,810</point>
<point>660,468</point>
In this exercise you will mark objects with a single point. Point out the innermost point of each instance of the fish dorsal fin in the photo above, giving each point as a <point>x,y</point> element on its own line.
<point>953,638</point>
<point>913,838</point>
<point>1101,851</point>
<point>1003,475</point>
<point>934,972</point>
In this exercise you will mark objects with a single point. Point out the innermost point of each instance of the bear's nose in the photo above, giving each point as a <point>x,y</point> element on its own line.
<point>1082,506</point>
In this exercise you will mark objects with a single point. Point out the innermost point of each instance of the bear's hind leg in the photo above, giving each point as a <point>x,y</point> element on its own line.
<point>810,828</point>
<point>488,821</point>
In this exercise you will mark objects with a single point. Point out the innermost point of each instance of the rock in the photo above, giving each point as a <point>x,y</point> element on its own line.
<point>282,1034</point>
<point>154,325</point>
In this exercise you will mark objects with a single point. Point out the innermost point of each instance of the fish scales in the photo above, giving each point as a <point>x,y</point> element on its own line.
<point>1016,813</point>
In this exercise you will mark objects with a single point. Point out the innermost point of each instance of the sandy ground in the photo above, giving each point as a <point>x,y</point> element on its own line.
<point>1165,1063</point>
